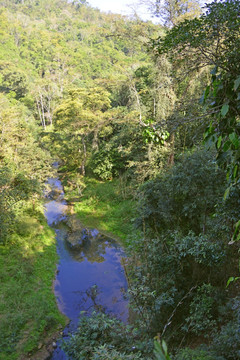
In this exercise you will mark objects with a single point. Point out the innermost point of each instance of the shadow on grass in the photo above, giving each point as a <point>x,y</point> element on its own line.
<point>27,303</point>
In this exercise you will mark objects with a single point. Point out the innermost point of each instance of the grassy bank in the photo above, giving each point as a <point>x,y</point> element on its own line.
<point>104,205</point>
<point>28,308</point>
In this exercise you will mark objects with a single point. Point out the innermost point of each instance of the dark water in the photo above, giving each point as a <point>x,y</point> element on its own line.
<point>90,277</point>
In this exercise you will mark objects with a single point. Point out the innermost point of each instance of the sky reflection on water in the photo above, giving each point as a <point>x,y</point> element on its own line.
<point>88,278</point>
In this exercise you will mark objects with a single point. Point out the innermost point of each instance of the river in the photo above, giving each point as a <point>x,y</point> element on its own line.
<point>89,273</point>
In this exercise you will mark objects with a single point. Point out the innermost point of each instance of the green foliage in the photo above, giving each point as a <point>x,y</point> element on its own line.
<point>171,282</point>
<point>152,134</point>
<point>102,337</point>
<point>160,352</point>
<point>106,105</point>
<point>103,204</point>
<point>213,40</point>
<point>13,80</point>
<point>172,12</point>
<point>178,265</point>
<point>226,342</point>
<point>107,353</point>
<point>23,163</point>
<point>81,107</point>
<point>185,196</point>
<point>202,311</point>
<point>196,354</point>
<point>14,190</point>
<point>103,163</point>
<point>210,32</point>
<point>27,305</point>
<point>200,248</point>
<point>123,149</point>
<point>119,141</point>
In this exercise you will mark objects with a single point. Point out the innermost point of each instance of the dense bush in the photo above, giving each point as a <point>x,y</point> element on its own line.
<point>185,196</point>
<point>102,337</point>
<point>226,342</point>
<point>180,271</point>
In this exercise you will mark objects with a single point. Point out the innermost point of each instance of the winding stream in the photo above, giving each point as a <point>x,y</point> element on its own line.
<point>89,274</point>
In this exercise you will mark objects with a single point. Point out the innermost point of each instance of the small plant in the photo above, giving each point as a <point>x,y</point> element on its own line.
<point>161,351</point>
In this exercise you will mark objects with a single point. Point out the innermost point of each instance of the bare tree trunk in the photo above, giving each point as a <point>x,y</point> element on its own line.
<point>138,102</point>
<point>49,109</point>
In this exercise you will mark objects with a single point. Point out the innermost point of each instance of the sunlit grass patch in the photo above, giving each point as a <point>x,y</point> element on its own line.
<point>28,309</point>
<point>102,206</point>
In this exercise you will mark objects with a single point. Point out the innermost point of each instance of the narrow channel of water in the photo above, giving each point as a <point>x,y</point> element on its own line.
<point>89,274</point>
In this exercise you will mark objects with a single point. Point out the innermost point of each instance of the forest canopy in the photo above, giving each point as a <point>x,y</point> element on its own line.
<point>144,119</point>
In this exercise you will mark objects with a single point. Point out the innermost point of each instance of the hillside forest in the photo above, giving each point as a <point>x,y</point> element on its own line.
<point>144,121</point>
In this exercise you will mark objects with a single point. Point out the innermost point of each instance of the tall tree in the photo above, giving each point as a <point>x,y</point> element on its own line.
<point>213,41</point>
<point>171,12</point>
<point>78,115</point>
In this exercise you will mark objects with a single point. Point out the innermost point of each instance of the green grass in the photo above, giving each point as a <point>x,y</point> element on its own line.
<point>28,309</point>
<point>103,206</point>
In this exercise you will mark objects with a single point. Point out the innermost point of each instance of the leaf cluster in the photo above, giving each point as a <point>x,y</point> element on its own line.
<point>102,337</point>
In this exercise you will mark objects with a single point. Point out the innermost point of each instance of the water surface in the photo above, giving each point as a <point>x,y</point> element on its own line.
<point>90,276</point>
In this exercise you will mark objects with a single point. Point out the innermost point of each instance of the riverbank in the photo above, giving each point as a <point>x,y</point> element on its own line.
<point>107,207</point>
<point>30,318</point>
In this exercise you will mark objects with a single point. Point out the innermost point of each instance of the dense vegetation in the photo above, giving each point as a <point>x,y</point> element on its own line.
<point>124,105</point>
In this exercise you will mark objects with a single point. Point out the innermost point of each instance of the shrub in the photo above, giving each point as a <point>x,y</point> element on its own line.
<point>102,337</point>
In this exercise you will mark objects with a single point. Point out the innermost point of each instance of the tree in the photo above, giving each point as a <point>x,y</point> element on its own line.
<point>172,12</point>
<point>213,41</point>
<point>23,163</point>
<point>45,93</point>
<point>12,80</point>
<point>78,115</point>
<point>184,198</point>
